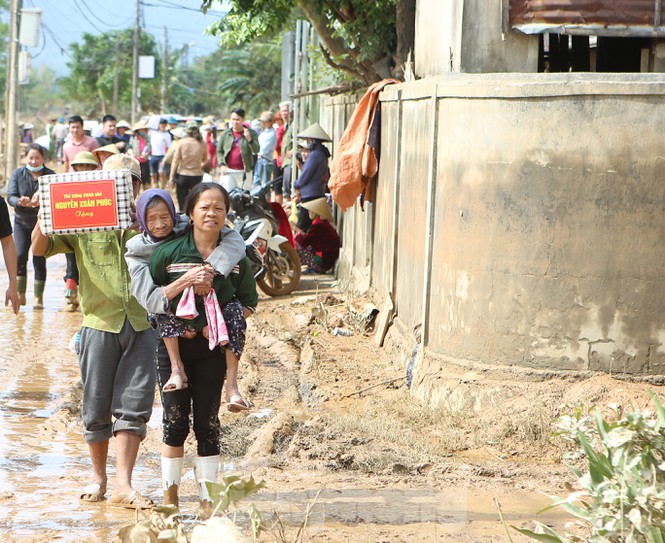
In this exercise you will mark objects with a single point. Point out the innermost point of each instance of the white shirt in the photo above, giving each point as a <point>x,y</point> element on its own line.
<point>267,143</point>
<point>159,142</point>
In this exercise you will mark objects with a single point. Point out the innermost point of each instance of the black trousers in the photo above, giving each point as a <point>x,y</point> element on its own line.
<point>72,269</point>
<point>22,233</point>
<point>183,184</point>
<point>205,371</point>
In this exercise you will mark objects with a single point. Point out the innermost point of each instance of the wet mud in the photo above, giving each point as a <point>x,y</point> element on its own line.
<point>297,376</point>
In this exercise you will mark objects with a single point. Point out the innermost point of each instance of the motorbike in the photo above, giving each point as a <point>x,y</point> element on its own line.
<point>275,262</point>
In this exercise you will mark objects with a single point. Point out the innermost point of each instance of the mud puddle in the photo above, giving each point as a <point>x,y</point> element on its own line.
<point>44,461</point>
<point>43,466</point>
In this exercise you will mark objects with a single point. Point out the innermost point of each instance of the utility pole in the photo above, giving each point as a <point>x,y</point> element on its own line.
<point>11,129</point>
<point>135,61</point>
<point>165,68</point>
<point>116,79</point>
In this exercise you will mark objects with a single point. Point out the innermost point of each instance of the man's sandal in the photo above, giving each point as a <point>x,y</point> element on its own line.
<point>133,500</point>
<point>93,493</point>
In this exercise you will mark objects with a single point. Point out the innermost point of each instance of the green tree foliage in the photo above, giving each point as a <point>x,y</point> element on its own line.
<point>95,61</point>
<point>247,77</point>
<point>355,34</point>
<point>4,34</point>
<point>41,97</point>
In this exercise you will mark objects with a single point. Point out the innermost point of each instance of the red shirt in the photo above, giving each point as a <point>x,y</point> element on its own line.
<point>234,158</point>
<point>323,240</point>
<point>280,136</point>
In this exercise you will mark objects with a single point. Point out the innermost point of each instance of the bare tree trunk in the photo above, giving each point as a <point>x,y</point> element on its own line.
<point>406,30</point>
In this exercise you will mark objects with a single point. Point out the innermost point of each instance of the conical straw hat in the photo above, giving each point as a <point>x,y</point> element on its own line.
<point>84,157</point>
<point>123,162</point>
<point>315,132</point>
<point>320,207</point>
<point>110,148</point>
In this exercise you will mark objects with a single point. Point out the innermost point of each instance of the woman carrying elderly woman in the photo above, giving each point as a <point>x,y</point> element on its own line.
<point>204,356</point>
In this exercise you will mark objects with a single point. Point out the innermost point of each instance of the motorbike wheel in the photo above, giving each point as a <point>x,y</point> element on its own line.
<point>282,271</point>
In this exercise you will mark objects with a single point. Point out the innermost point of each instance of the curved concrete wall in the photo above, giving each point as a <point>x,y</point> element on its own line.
<point>544,245</point>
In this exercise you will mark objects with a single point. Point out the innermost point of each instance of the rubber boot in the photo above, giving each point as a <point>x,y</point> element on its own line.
<point>205,469</point>
<point>39,295</point>
<point>22,287</point>
<point>71,296</point>
<point>171,476</point>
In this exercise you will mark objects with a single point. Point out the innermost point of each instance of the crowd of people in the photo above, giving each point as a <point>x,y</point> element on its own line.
<point>165,301</point>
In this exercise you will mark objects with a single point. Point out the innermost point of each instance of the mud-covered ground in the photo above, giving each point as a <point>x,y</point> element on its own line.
<point>333,428</point>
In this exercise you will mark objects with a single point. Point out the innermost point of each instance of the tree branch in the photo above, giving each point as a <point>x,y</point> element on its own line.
<point>339,66</point>
<point>335,89</point>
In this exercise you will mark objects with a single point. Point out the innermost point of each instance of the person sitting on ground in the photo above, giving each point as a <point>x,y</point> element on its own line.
<point>159,222</point>
<point>311,183</point>
<point>318,249</point>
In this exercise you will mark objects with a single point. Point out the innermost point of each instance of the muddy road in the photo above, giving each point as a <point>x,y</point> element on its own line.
<point>377,465</point>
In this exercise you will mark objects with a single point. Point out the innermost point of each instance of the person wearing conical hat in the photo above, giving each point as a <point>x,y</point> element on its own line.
<point>85,161</point>
<point>312,182</point>
<point>102,153</point>
<point>318,249</point>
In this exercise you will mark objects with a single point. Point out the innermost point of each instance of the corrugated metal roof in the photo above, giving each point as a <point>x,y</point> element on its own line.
<point>598,17</point>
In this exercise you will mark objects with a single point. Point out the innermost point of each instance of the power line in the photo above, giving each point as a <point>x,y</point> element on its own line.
<point>170,5</point>
<point>104,22</point>
<point>86,17</point>
<point>43,33</point>
<point>62,48</point>
<point>176,30</point>
<point>54,12</point>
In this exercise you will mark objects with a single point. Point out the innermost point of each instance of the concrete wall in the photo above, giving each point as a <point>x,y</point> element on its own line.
<point>521,219</point>
<point>469,36</point>
<point>441,26</point>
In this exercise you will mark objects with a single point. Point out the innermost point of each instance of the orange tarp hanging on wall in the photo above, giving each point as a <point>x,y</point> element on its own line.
<point>355,162</point>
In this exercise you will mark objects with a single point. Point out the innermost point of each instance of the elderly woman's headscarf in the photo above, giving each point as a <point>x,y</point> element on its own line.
<point>142,206</point>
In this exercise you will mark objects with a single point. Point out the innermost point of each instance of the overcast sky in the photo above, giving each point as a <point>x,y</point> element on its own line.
<point>64,21</point>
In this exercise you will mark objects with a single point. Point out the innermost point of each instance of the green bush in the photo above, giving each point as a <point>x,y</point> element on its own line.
<point>623,490</point>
